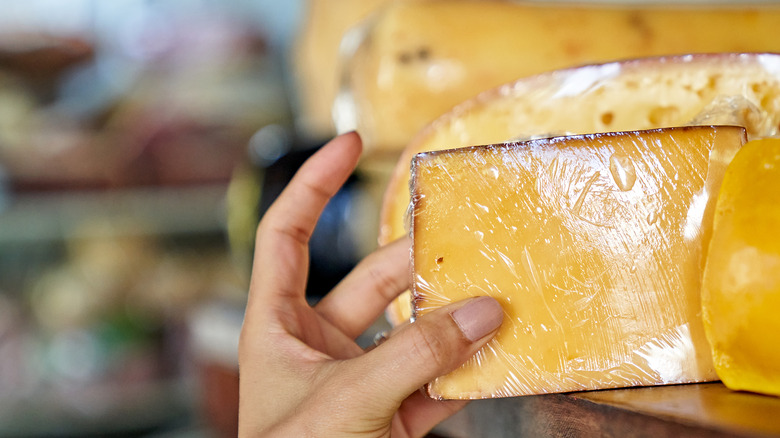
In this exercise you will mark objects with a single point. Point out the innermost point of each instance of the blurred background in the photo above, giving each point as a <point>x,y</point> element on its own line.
<point>141,140</point>
<point>126,131</point>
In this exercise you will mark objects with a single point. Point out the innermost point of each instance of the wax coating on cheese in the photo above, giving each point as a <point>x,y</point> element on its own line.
<point>741,285</point>
<point>593,244</point>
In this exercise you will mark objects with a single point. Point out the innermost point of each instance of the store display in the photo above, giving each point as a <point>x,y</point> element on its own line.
<point>121,127</point>
<point>141,142</point>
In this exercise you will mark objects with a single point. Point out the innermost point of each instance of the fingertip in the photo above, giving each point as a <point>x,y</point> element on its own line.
<point>352,133</point>
<point>401,246</point>
<point>350,138</point>
<point>332,164</point>
<point>435,344</point>
<point>478,317</point>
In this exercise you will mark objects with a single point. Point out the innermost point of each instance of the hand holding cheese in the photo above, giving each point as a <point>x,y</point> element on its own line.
<point>302,374</point>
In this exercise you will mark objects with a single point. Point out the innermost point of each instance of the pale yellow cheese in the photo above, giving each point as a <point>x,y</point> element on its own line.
<point>592,244</point>
<point>419,59</point>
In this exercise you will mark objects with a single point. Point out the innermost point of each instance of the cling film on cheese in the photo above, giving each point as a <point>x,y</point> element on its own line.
<point>594,246</point>
<point>411,61</point>
<point>704,89</point>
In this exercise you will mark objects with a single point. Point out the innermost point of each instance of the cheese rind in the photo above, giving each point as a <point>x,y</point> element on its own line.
<point>593,245</point>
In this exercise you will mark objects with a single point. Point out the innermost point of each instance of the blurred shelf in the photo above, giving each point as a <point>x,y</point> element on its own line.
<point>92,410</point>
<point>48,217</point>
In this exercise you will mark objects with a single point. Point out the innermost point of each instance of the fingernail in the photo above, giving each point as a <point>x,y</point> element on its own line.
<point>478,317</point>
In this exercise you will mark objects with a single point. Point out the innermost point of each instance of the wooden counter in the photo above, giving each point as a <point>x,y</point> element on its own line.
<point>700,410</point>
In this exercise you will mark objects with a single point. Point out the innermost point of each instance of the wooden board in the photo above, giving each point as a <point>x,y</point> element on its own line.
<point>698,410</point>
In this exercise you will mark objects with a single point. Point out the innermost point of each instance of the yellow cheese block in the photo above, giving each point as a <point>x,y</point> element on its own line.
<point>592,244</point>
<point>740,89</point>
<point>741,285</point>
<point>419,59</point>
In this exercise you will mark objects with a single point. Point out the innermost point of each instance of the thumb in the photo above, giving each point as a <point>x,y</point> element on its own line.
<point>433,345</point>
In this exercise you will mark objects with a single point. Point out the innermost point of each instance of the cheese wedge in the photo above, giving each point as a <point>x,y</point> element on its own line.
<point>739,89</point>
<point>419,59</point>
<point>593,245</point>
<point>741,285</point>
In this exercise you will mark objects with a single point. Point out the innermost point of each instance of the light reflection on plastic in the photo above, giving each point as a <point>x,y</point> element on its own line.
<point>695,214</point>
<point>584,78</point>
<point>672,356</point>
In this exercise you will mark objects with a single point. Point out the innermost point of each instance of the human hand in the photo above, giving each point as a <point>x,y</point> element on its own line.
<point>302,374</point>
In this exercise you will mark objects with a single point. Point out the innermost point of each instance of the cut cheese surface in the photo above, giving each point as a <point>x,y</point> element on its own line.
<point>593,245</point>
<point>741,285</point>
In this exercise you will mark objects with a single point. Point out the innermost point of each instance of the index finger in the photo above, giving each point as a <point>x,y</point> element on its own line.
<point>281,259</point>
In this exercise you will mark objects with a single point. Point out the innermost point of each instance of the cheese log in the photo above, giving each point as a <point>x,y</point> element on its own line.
<point>740,89</point>
<point>741,285</point>
<point>592,244</point>
<point>419,59</point>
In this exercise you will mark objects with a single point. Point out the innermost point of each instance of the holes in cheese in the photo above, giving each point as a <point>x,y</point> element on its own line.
<point>593,244</point>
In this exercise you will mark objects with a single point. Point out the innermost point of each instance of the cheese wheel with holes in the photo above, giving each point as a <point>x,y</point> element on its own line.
<point>730,88</point>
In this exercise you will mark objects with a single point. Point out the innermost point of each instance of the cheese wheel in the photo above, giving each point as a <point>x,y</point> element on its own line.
<point>732,88</point>
<point>419,59</point>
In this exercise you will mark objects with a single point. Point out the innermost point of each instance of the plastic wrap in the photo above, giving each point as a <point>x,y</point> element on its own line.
<point>592,244</point>
<point>416,60</point>
<point>739,89</point>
